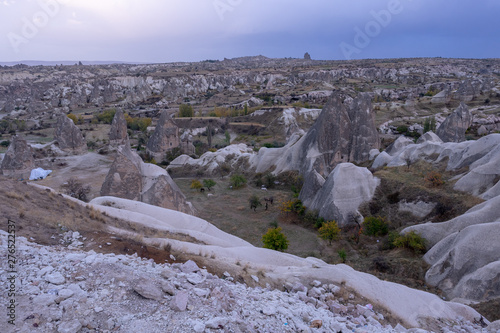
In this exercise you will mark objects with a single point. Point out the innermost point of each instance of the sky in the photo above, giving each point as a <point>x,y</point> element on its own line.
<point>159,31</point>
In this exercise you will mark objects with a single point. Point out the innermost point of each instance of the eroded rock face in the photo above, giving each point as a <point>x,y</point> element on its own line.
<point>345,189</point>
<point>344,132</point>
<point>132,179</point>
<point>165,136</point>
<point>118,132</point>
<point>19,158</point>
<point>68,135</point>
<point>124,179</point>
<point>455,125</point>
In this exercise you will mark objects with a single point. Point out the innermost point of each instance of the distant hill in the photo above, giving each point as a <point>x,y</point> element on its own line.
<point>63,62</point>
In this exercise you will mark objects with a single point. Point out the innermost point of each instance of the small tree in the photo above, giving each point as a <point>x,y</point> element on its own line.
<point>209,183</point>
<point>196,184</point>
<point>375,226</point>
<point>228,137</point>
<point>274,239</point>
<point>185,110</point>
<point>238,181</point>
<point>254,202</point>
<point>329,231</point>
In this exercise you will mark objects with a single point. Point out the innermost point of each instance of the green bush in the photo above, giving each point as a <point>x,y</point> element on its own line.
<point>402,129</point>
<point>209,183</point>
<point>412,241</point>
<point>274,239</point>
<point>106,116</point>
<point>330,231</point>
<point>375,226</point>
<point>343,255</point>
<point>185,110</point>
<point>254,202</point>
<point>237,181</point>
<point>5,143</point>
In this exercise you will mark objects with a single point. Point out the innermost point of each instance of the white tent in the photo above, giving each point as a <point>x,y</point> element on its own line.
<point>39,173</point>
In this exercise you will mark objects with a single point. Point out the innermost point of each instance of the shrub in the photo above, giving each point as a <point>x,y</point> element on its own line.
<point>375,226</point>
<point>254,202</point>
<point>343,255</point>
<point>196,184</point>
<point>434,179</point>
<point>329,231</point>
<point>138,124</point>
<point>402,129</point>
<point>5,143</point>
<point>76,189</point>
<point>237,181</point>
<point>106,116</point>
<point>274,239</point>
<point>185,110</point>
<point>412,241</point>
<point>209,183</point>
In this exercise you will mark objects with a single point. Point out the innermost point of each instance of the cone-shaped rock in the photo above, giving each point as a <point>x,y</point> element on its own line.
<point>69,136</point>
<point>455,125</point>
<point>118,132</point>
<point>19,158</point>
<point>165,136</point>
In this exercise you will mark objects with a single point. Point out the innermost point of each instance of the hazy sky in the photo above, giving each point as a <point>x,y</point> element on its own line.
<point>193,30</point>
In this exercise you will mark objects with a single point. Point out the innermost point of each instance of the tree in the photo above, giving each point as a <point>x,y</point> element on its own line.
<point>196,184</point>
<point>185,110</point>
<point>329,231</point>
<point>245,109</point>
<point>237,181</point>
<point>430,124</point>
<point>209,183</point>
<point>254,202</point>
<point>274,239</point>
<point>228,137</point>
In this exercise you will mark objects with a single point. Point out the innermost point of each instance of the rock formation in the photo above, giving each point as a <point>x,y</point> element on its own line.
<point>455,125</point>
<point>164,138</point>
<point>132,179</point>
<point>19,158</point>
<point>345,189</point>
<point>118,132</point>
<point>68,135</point>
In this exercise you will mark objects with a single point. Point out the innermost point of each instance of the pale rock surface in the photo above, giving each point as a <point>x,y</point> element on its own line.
<point>164,138</point>
<point>68,136</point>
<point>130,178</point>
<point>419,208</point>
<point>454,126</point>
<point>345,189</point>
<point>118,133</point>
<point>429,137</point>
<point>398,145</point>
<point>18,159</point>
<point>475,268</point>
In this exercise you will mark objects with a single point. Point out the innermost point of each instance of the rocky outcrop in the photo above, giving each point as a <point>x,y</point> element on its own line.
<point>165,137</point>
<point>466,264</point>
<point>132,179</point>
<point>118,133</point>
<point>68,135</point>
<point>19,158</point>
<point>455,125</point>
<point>345,189</point>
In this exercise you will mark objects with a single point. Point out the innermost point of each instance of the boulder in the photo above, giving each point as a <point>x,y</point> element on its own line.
<point>482,130</point>
<point>455,125</point>
<point>164,138</point>
<point>18,159</point>
<point>130,178</point>
<point>68,135</point>
<point>398,145</point>
<point>429,137</point>
<point>118,133</point>
<point>444,96</point>
<point>345,189</point>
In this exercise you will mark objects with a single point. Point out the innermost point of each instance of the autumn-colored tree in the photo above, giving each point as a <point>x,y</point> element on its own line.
<point>196,184</point>
<point>274,239</point>
<point>329,231</point>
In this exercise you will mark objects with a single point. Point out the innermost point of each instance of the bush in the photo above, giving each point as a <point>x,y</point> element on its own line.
<point>254,202</point>
<point>274,239</point>
<point>402,129</point>
<point>412,241</point>
<point>209,183</point>
<point>375,226</point>
<point>5,143</point>
<point>434,179</point>
<point>76,189</point>
<point>329,231</point>
<point>237,181</point>
<point>196,184</point>
<point>106,116</point>
<point>185,110</point>
<point>343,255</point>
<point>138,124</point>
